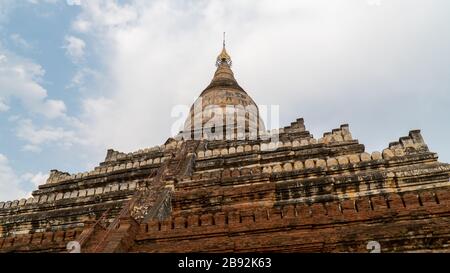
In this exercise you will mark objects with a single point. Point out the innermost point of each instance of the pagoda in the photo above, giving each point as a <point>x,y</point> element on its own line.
<point>225,185</point>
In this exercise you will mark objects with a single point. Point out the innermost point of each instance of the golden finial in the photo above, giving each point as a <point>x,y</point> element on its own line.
<point>223,58</point>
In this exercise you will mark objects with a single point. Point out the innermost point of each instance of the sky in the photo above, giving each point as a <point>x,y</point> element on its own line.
<point>78,77</point>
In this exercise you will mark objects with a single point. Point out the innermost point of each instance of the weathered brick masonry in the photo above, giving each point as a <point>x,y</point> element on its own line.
<point>300,194</point>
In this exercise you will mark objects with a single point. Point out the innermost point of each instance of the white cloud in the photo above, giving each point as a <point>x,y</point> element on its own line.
<point>35,179</point>
<point>104,14</point>
<point>32,148</point>
<point>6,6</point>
<point>9,182</point>
<point>328,61</point>
<point>14,186</point>
<point>20,78</point>
<point>81,25</point>
<point>19,41</point>
<point>3,106</point>
<point>74,48</point>
<point>73,2</point>
<point>82,77</point>
<point>43,1</point>
<point>376,67</point>
<point>36,137</point>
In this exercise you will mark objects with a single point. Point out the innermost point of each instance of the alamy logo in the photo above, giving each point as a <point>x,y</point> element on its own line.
<point>374,247</point>
<point>73,247</point>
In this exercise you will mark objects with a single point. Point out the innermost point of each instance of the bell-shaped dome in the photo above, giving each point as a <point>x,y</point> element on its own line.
<point>223,110</point>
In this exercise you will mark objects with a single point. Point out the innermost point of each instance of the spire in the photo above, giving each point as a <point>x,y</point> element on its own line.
<point>223,77</point>
<point>222,92</point>
<point>223,57</point>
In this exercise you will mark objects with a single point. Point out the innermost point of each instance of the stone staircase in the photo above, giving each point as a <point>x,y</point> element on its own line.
<point>153,202</point>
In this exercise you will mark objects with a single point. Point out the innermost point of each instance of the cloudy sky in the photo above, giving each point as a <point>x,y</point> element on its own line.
<point>78,77</point>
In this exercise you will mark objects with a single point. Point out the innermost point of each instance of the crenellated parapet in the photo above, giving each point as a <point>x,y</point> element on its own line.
<point>232,188</point>
<point>318,227</point>
<point>56,176</point>
<point>52,241</point>
<point>411,144</point>
<point>115,165</point>
<point>68,195</point>
<point>212,189</point>
<point>337,135</point>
